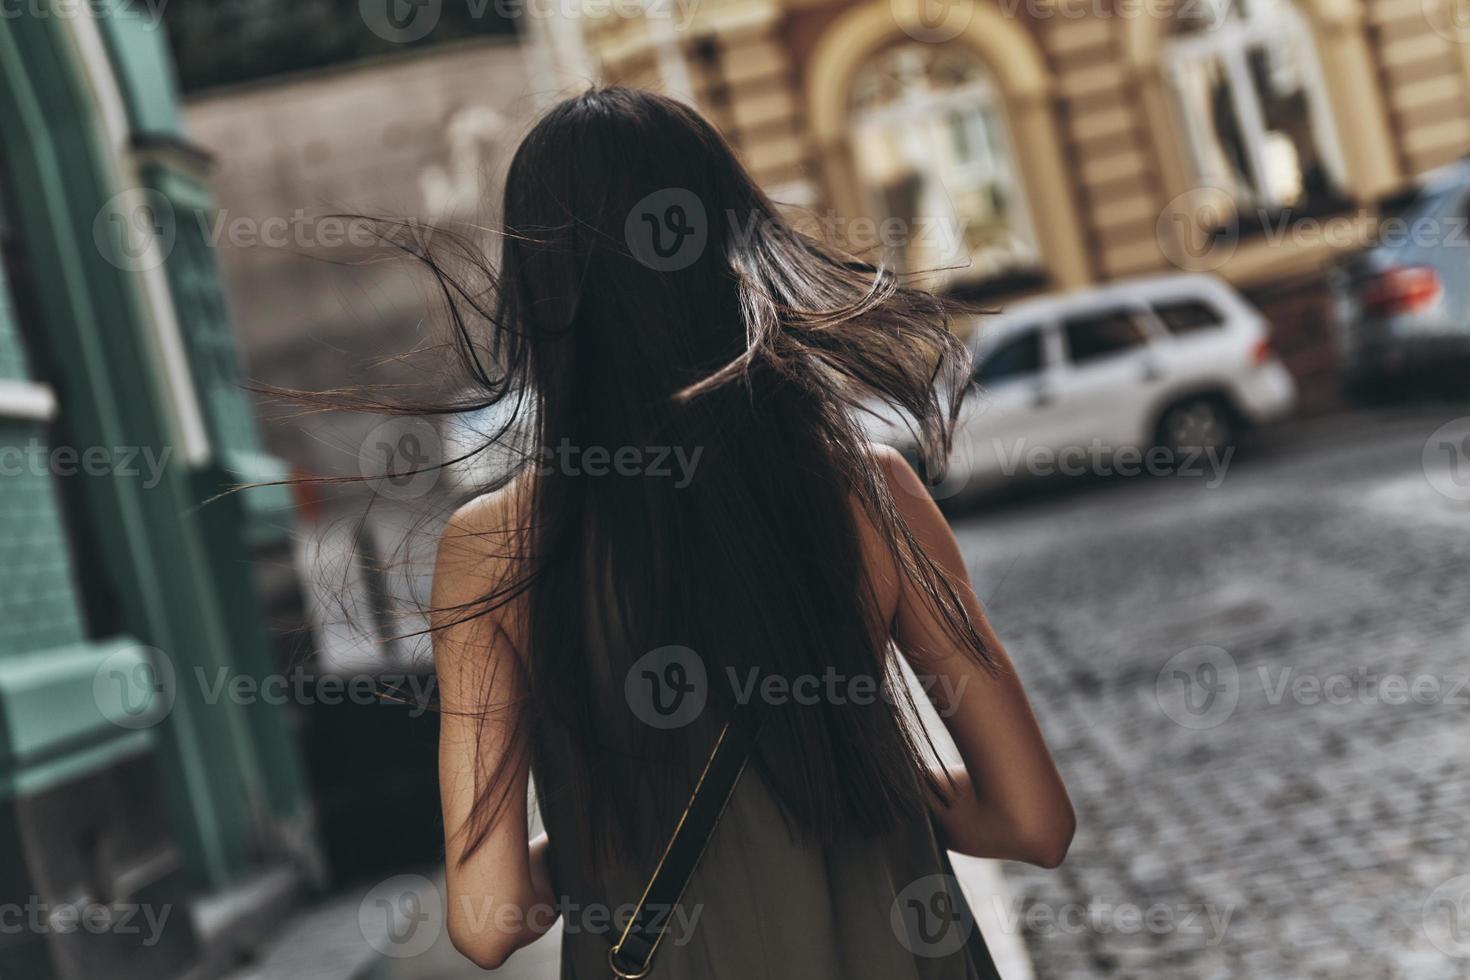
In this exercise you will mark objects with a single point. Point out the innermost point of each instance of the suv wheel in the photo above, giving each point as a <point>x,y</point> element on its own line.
<point>1202,422</point>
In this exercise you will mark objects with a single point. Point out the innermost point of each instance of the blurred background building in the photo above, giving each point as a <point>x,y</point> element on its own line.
<point>129,777</point>
<point>307,114</point>
<point>1072,142</point>
<point>125,783</point>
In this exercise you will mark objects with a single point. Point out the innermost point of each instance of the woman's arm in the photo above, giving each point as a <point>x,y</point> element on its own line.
<point>500,898</point>
<point>1010,803</point>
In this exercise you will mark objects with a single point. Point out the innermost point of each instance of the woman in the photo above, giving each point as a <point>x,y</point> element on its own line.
<point>703,510</point>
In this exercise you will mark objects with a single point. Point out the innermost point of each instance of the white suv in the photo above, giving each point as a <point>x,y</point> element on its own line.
<point>1140,375</point>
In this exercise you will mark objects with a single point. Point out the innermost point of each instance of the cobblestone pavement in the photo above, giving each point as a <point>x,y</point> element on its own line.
<point>1257,696</point>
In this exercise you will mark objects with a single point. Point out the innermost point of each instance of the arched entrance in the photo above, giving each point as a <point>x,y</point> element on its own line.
<point>1013,66</point>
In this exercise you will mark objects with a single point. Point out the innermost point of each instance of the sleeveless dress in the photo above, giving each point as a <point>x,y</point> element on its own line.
<point>764,905</point>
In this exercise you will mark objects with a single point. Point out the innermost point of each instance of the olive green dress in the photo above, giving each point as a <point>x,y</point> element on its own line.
<point>763,905</point>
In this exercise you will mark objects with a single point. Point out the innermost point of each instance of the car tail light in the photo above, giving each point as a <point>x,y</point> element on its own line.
<point>1407,289</point>
<point>1263,351</point>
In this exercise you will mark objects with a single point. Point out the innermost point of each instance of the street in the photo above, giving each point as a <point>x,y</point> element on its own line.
<point>1256,695</point>
<point>1255,692</point>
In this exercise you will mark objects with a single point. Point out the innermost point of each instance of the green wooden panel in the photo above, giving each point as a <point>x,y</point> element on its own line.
<point>178,574</point>
<point>205,322</point>
<point>214,357</point>
<point>113,395</point>
<point>39,606</point>
<point>13,365</point>
<point>138,44</point>
<point>53,726</point>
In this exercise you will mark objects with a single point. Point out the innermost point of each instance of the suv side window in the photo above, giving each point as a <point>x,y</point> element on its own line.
<point>1101,335</point>
<point>1187,316</point>
<point>1017,357</point>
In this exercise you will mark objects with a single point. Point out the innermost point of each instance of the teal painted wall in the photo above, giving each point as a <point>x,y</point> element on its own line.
<point>179,575</point>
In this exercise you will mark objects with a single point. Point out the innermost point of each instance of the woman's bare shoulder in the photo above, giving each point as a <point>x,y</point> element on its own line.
<point>910,496</point>
<point>481,545</point>
<point>883,570</point>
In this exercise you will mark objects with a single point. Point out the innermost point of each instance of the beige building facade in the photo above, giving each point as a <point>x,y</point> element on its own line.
<point>1065,142</point>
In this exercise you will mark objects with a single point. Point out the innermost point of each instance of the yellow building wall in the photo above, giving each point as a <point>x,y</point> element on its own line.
<point>1092,122</point>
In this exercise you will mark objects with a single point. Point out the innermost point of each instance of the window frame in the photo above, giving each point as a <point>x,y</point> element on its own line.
<point>1142,317</point>
<point>1035,328</point>
<point>1153,303</point>
<point>1231,41</point>
<point>1001,168</point>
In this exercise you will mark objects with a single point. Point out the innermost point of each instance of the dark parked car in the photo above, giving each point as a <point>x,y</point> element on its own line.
<point>1403,304</point>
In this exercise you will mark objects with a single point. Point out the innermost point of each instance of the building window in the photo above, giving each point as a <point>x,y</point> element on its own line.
<point>227,42</point>
<point>1253,106</point>
<point>934,162</point>
<point>1020,357</point>
<point>1099,336</point>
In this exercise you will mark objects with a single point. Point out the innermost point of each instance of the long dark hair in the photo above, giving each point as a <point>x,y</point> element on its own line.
<point>648,295</point>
